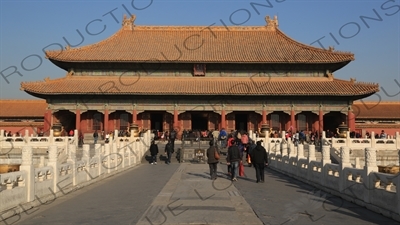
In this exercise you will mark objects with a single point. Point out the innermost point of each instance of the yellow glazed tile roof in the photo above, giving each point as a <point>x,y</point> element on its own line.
<point>148,85</point>
<point>200,44</point>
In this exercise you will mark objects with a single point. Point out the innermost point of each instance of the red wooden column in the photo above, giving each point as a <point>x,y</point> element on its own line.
<point>351,120</point>
<point>292,121</point>
<point>47,120</point>
<point>223,119</point>
<point>78,119</point>
<point>106,121</point>
<point>176,122</point>
<point>264,116</point>
<point>321,121</point>
<point>134,117</point>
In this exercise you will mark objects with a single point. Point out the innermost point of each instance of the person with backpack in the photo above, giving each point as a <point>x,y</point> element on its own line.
<point>223,136</point>
<point>172,137</point>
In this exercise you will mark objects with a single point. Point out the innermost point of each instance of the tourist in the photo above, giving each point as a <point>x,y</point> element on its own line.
<point>107,138</point>
<point>222,136</point>
<point>252,146</point>
<point>95,136</point>
<point>168,151</point>
<point>71,133</point>
<point>80,138</point>
<point>259,159</point>
<point>212,161</point>
<point>215,135</point>
<point>172,137</point>
<point>233,159</point>
<point>383,135</point>
<point>153,152</point>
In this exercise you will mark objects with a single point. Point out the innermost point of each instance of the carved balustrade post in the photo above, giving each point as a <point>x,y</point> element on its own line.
<point>106,158</point>
<point>86,153</point>
<point>311,153</point>
<point>345,157</point>
<point>373,141</point>
<point>326,154</point>
<point>284,148</point>
<point>292,150</point>
<point>97,157</point>
<point>71,153</point>
<point>300,151</point>
<point>53,162</point>
<point>344,162</point>
<point>72,160</point>
<point>370,166</point>
<point>266,141</point>
<point>27,167</point>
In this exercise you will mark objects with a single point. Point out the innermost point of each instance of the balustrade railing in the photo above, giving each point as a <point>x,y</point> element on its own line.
<point>55,177</point>
<point>366,186</point>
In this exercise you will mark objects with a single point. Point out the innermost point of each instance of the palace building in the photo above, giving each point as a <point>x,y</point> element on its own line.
<point>199,78</point>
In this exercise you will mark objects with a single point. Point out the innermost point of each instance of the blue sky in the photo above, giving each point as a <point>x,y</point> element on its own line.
<point>27,27</point>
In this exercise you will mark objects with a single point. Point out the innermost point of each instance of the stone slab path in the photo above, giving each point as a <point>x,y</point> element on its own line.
<point>184,194</point>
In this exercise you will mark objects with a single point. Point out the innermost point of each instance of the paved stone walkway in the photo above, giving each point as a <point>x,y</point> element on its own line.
<point>184,194</point>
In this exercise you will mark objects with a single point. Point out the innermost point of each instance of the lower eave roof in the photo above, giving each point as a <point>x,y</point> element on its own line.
<point>238,86</point>
<point>376,110</point>
<point>13,108</point>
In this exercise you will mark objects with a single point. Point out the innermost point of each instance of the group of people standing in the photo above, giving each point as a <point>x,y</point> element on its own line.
<point>237,148</point>
<point>239,145</point>
<point>169,148</point>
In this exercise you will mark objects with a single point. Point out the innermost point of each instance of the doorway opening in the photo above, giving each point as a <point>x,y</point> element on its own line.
<point>200,121</point>
<point>156,121</point>
<point>241,122</point>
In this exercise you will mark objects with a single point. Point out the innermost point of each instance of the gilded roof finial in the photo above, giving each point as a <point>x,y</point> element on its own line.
<point>331,48</point>
<point>273,23</point>
<point>128,24</point>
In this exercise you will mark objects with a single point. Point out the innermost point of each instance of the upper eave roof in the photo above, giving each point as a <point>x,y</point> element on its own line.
<point>200,44</point>
<point>239,86</point>
<point>22,108</point>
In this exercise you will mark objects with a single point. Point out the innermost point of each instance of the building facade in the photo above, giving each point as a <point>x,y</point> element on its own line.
<point>199,78</point>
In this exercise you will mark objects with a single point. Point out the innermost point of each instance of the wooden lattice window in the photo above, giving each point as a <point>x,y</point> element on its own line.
<point>275,123</point>
<point>96,125</point>
<point>301,122</point>
<point>199,69</point>
<point>123,121</point>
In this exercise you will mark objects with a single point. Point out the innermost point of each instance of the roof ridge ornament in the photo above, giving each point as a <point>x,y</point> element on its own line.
<point>272,23</point>
<point>128,24</point>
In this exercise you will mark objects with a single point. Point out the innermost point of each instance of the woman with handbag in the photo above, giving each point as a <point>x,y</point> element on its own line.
<point>212,160</point>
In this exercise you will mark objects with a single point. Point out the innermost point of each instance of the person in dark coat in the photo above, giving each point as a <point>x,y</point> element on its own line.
<point>168,151</point>
<point>212,161</point>
<point>233,159</point>
<point>259,158</point>
<point>153,152</point>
